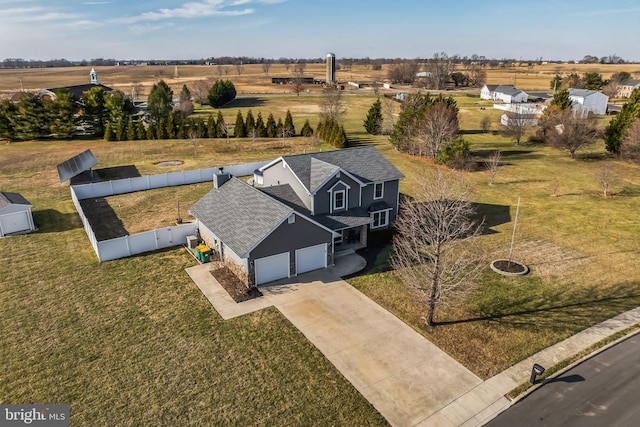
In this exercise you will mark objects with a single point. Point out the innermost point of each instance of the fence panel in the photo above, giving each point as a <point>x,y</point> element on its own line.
<point>142,242</point>
<point>113,249</point>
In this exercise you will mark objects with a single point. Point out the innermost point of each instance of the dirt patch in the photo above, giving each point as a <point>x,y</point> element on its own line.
<point>547,259</point>
<point>170,163</point>
<point>234,286</point>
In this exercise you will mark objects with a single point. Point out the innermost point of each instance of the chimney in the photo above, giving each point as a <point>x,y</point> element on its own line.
<point>220,178</point>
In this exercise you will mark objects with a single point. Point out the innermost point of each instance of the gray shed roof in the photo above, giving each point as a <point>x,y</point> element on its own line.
<point>240,215</point>
<point>365,163</point>
<point>630,82</point>
<point>7,198</point>
<point>581,92</point>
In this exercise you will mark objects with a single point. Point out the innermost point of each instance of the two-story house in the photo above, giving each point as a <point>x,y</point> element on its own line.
<point>301,211</point>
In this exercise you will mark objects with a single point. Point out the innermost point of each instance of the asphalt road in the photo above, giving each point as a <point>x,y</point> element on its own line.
<point>601,391</point>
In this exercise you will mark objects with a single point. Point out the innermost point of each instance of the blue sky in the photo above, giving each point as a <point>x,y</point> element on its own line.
<point>193,29</point>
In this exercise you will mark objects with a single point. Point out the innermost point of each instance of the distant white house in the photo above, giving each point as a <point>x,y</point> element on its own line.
<point>504,93</point>
<point>589,100</point>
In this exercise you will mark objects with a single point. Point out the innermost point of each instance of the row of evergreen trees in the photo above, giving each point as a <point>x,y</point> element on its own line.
<point>176,126</point>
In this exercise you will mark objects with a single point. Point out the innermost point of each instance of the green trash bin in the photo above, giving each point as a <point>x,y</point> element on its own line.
<point>198,254</point>
<point>206,255</point>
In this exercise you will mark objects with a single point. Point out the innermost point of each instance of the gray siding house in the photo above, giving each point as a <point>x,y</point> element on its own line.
<point>301,211</point>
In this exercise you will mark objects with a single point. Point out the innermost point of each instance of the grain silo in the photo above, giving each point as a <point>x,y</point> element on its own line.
<point>331,68</point>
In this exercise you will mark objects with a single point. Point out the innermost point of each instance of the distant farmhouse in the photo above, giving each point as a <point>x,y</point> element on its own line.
<point>626,87</point>
<point>504,93</point>
<point>78,90</point>
<point>589,100</point>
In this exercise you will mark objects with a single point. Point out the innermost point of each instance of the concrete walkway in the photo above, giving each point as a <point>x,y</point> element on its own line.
<point>402,374</point>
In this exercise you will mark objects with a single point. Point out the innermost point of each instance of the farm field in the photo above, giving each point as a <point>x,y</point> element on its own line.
<point>253,80</point>
<point>135,338</point>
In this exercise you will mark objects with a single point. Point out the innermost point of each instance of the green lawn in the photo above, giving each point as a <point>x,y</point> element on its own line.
<point>133,341</point>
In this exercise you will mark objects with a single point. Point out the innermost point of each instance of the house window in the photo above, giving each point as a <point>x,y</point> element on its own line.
<point>378,190</point>
<point>339,201</point>
<point>379,219</point>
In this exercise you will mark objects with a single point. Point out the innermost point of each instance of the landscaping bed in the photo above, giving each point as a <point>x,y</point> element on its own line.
<point>234,286</point>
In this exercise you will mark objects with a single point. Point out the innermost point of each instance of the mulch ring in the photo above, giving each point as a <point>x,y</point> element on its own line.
<point>234,286</point>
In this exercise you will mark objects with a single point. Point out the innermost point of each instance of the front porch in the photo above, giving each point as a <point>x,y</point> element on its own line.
<point>350,240</point>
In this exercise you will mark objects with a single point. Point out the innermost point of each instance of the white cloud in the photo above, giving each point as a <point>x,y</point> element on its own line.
<point>197,9</point>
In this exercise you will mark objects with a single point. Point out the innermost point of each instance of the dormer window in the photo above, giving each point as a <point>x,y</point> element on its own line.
<point>339,200</point>
<point>378,190</point>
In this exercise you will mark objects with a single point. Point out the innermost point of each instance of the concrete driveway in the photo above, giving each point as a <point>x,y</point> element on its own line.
<point>402,374</point>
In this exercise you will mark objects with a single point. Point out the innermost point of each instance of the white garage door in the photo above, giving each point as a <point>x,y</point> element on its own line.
<point>272,268</point>
<point>311,258</point>
<point>15,222</point>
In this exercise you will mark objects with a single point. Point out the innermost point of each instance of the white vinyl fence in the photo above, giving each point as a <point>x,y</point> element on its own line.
<point>126,246</point>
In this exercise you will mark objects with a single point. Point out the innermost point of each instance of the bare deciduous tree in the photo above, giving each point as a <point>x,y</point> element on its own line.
<point>434,246</point>
<point>515,126</point>
<point>240,68</point>
<point>225,70</point>
<point>492,165</point>
<point>573,131</point>
<point>137,90</point>
<point>298,77</point>
<point>438,68</point>
<point>438,126</point>
<point>265,67</point>
<point>200,90</point>
<point>630,148</point>
<point>605,177</point>
<point>332,106</point>
<point>485,124</point>
<point>389,107</point>
<point>193,137</point>
<point>221,70</point>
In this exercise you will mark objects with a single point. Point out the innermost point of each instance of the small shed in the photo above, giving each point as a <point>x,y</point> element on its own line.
<point>15,214</point>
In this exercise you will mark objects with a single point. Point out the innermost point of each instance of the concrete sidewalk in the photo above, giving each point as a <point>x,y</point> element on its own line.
<point>465,410</point>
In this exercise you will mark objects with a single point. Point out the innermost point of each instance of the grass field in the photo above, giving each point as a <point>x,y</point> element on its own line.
<point>134,339</point>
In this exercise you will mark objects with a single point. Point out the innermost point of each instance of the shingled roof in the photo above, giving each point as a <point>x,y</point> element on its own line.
<point>7,199</point>
<point>240,215</point>
<point>364,163</point>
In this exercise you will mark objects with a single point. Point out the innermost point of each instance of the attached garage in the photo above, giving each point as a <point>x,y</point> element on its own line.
<point>272,268</point>
<point>15,214</point>
<point>311,258</point>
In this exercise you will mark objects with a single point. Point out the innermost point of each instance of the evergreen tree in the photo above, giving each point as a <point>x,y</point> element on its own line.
<point>170,130</point>
<point>108,133</point>
<point>201,128</point>
<point>121,130</point>
<point>30,122</point>
<point>239,130</point>
<point>307,130</point>
<point>279,127</point>
<point>181,126</point>
<point>141,132</point>
<point>250,122</point>
<point>261,129</point>
<point>61,113</point>
<point>220,125</point>
<point>131,129</point>
<point>373,122</point>
<point>288,124</point>
<point>185,104</point>
<point>271,127</point>
<point>8,114</point>
<point>222,92</point>
<point>160,101</point>
<point>617,129</point>
<point>93,115</point>
<point>161,130</point>
<point>211,126</point>
<point>151,131</point>
<point>561,99</point>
